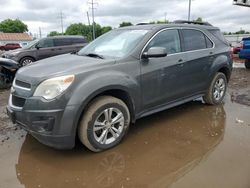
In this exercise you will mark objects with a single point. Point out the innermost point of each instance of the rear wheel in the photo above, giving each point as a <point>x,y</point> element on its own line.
<point>217,89</point>
<point>104,124</point>
<point>26,61</point>
<point>247,64</point>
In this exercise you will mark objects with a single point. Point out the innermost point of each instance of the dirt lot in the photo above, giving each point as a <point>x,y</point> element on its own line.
<point>190,146</point>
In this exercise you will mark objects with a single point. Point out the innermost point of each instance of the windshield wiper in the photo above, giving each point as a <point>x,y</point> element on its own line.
<point>94,55</point>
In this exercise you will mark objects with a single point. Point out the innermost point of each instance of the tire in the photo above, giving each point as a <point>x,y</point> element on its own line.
<point>95,113</point>
<point>3,84</point>
<point>247,64</point>
<point>219,84</point>
<point>26,61</point>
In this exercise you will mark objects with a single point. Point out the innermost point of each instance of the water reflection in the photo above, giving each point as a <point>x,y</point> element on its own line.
<point>157,151</point>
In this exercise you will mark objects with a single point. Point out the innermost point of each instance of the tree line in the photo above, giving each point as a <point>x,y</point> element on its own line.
<point>17,26</point>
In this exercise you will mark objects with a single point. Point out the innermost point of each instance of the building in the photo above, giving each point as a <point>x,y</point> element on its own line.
<point>21,38</point>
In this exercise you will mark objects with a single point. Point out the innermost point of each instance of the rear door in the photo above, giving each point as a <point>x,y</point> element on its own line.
<point>79,43</point>
<point>63,45</point>
<point>199,55</point>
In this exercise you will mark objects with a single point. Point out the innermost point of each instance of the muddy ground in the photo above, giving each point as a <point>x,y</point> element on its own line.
<point>190,146</point>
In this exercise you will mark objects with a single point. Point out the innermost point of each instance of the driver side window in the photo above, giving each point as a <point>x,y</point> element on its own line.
<point>168,39</point>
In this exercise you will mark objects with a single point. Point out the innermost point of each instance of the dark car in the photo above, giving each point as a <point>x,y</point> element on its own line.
<point>10,46</point>
<point>124,75</point>
<point>46,47</point>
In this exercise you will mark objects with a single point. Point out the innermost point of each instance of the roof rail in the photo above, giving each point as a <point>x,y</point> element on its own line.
<point>143,23</point>
<point>191,22</point>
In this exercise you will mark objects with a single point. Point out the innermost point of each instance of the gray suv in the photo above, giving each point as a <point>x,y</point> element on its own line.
<point>46,47</point>
<point>124,75</point>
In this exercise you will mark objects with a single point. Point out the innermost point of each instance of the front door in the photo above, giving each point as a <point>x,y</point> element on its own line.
<point>162,77</point>
<point>45,49</point>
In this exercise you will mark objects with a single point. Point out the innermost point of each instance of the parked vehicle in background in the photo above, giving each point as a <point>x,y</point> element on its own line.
<point>237,48</point>
<point>10,46</point>
<point>245,52</point>
<point>8,69</point>
<point>125,74</point>
<point>46,47</point>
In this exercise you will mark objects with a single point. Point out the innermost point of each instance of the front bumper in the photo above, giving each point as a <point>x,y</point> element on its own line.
<point>55,128</point>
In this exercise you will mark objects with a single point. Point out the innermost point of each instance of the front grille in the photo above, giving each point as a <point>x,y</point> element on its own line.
<point>22,84</point>
<point>18,101</point>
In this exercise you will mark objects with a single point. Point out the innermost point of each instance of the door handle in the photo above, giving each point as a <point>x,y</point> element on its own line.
<point>211,53</point>
<point>180,60</point>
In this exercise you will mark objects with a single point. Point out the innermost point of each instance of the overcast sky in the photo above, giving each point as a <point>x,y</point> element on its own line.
<point>45,13</point>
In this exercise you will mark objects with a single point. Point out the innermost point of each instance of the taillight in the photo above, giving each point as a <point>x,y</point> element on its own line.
<point>231,53</point>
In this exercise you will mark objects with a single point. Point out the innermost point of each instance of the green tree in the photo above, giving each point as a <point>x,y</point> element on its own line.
<point>54,33</point>
<point>106,29</point>
<point>79,29</point>
<point>13,26</point>
<point>86,30</point>
<point>199,19</point>
<point>124,24</point>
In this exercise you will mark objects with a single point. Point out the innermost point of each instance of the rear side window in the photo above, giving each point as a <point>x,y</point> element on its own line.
<point>168,39</point>
<point>62,42</point>
<point>78,40</point>
<point>193,40</point>
<point>219,35</point>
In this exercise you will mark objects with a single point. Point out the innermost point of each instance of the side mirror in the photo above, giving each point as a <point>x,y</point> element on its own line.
<point>155,52</point>
<point>38,46</point>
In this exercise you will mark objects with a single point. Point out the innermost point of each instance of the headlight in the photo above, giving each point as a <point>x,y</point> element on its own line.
<point>51,88</point>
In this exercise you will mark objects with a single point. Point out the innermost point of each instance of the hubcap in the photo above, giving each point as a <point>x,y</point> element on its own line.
<point>27,61</point>
<point>108,126</point>
<point>219,89</point>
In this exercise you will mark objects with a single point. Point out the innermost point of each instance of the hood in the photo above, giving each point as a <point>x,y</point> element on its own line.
<point>59,66</point>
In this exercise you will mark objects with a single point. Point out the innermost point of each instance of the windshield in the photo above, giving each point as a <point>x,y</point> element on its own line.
<point>32,43</point>
<point>116,43</point>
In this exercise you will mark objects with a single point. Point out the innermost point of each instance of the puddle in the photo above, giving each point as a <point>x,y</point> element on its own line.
<point>157,151</point>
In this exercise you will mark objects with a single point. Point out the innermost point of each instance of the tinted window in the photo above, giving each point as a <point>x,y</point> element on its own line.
<point>78,40</point>
<point>62,42</point>
<point>45,43</point>
<point>209,43</point>
<point>219,35</point>
<point>193,40</point>
<point>168,39</point>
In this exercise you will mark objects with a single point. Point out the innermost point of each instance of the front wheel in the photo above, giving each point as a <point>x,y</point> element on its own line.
<point>104,124</point>
<point>247,64</point>
<point>217,89</point>
<point>26,61</point>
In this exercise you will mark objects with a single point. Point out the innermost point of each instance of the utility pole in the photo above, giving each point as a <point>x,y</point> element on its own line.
<point>61,16</point>
<point>40,32</point>
<point>165,14</point>
<point>92,7</point>
<point>189,10</point>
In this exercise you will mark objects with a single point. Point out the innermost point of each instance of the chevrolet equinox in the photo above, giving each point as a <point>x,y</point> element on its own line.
<point>125,74</point>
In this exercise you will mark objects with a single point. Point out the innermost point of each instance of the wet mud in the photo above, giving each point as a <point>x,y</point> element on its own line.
<point>192,145</point>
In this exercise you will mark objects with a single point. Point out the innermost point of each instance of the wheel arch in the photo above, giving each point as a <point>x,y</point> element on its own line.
<point>118,92</point>
<point>29,56</point>
<point>225,70</point>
